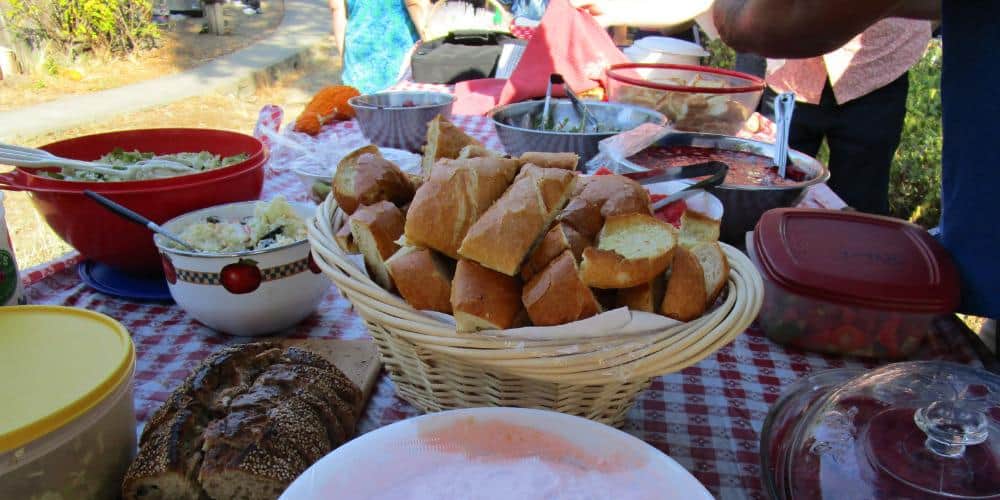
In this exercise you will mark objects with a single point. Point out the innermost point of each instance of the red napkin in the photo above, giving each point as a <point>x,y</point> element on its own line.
<point>569,42</point>
<point>477,97</point>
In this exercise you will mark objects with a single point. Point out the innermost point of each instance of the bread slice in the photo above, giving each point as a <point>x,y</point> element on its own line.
<point>345,240</point>
<point>483,299</point>
<point>599,196</point>
<point>556,295</point>
<point>375,229</point>
<point>444,140</point>
<point>168,461</point>
<point>715,267</point>
<point>561,237</point>
<point>686,297</point>
<point>422,277</point>
<point>631,250</point>
<point>565,161</point>
<point>646,297</point>
<point>506,232</point>
<point>697,227</point>
<point>478,151</point>
<point>364,177</point>
<point>453,198</point>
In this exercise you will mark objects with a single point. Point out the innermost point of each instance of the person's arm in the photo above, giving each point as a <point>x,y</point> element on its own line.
<point>644,13</point>
<point>806,28</point>
<point>338,9</point>
<point>418,10</point>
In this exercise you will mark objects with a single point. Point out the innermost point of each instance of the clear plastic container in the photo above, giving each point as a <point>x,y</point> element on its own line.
<point>693,98</point>
<point>924,430</point>
<point>849,283</point>
<point>69,431</point>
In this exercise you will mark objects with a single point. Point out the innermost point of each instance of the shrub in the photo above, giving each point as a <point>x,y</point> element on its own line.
<point>115,26</point>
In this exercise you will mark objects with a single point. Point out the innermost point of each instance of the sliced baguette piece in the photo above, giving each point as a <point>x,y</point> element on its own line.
<point>444,140</point>
<point>646,297</point>
<point>631,250</point>
<point>697,227</point>
<point>565,161</point>
<point>715,266</point>
<point>345,240</point>
<point>556,295</point>
<point>483,299</point>
<point>686,297</point>
<point>506,232</point>
<point>453,198</point>
<point>364,177</point>
<point>375,229</point>
<point>599,196</point>
<point>422,277</point>
<point>478,151</point>
<point>561,237</point>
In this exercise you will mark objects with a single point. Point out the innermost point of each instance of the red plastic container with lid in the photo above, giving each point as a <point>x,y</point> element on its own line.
<point>926,430</point>
<point>850,283</point>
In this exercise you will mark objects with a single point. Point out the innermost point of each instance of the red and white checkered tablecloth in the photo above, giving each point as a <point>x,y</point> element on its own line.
<point>707,417</point>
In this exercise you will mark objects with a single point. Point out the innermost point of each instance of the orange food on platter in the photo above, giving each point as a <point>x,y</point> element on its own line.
<point>328,105</point>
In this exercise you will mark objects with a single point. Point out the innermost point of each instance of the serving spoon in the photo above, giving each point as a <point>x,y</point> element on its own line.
<point>784,106</point>
<point>32,158</point>
<point>135,217</point>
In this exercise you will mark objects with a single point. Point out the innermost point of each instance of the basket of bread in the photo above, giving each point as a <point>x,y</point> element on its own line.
<point>498,281</point>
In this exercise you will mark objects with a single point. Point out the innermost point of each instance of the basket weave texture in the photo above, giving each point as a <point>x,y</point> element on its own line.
<point>436,368</point>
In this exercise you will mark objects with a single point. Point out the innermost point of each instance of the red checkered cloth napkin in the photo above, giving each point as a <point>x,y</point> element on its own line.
<point>707,417</point>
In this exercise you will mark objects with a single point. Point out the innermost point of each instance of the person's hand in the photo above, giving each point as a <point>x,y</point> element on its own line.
<point>597,8</point>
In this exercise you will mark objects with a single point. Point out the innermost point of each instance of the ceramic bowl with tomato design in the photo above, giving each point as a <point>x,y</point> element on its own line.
<point>247,293</point>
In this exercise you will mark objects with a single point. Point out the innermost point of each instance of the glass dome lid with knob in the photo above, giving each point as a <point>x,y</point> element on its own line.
<point>906,430</point>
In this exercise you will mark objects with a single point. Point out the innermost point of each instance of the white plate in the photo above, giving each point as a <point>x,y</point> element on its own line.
<point>496,453</point>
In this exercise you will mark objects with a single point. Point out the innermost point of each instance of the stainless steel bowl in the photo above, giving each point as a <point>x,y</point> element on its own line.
<point>514,126</point>
<point>744,204</point>
<point>399,119</point>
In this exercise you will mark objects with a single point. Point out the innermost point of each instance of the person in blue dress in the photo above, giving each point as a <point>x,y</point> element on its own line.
<point>374,37</point>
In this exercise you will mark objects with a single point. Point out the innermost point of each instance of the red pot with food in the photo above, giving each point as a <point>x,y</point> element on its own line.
<point>850,283</point>
<point>924,430</point>
<point>104,237</point>
<point>752,185</point>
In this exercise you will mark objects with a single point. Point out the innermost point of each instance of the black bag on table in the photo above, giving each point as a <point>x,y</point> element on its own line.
<point>460,56</point>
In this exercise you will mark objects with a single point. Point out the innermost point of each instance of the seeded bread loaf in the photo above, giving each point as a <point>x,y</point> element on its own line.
<point>244,424</point>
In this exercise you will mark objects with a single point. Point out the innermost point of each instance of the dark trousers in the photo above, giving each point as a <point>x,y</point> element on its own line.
<point>862,134</point>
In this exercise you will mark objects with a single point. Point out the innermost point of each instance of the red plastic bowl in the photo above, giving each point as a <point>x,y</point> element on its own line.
<point>105,237</point>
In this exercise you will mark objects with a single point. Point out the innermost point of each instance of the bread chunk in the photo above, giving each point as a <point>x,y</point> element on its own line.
<point>422,277</point>
<point>557,295</point>
<point>375,229</point>
<point>483,299</point>
<point>631,250</point>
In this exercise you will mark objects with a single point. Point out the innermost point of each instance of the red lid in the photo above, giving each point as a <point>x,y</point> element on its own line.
<point>856,259</point>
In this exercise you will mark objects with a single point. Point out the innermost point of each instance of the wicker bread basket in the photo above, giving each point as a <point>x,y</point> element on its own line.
<point>435,368</point>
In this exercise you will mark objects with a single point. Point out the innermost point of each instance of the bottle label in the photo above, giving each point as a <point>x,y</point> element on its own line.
<point>8,278</point>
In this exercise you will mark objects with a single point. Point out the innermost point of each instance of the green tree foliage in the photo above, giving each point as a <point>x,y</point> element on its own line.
<point>114,26</point>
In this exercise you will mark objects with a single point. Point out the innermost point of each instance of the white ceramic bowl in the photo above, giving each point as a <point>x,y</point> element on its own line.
<point>496,453</point>
<point>247,293</point>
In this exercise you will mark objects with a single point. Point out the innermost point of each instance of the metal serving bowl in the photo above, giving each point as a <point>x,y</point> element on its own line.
<point>514,126</point>
<point>399,119</point>
<point>744,204</point>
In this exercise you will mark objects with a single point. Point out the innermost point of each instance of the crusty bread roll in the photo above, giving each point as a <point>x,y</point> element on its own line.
<point>506,232</point>
<point>478,151</point>
<point>375,229</point>
<point>558,239</point>
<point>599,196</point>
<point>565,161</point>
<point>363,177</point>
<point>646,297</point>
<point>686,297</point>
<point>483,299</point>
<point>346,240</point>
<point>715,267</point>
<point>422,277</point>
<point>453,198</point>
<point>444,140</point>
<point>697,227</point>
<point>631,250</point>
<point>244,424</point>
<point>556,295</point>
